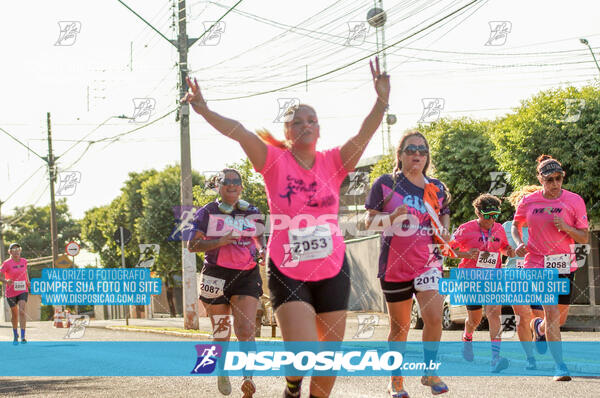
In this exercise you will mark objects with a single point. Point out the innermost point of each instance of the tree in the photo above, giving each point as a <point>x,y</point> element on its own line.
<point>254,188</point>
<point>461,155</point>
<point>30,227</point>
<point>385,165</point>
<point>159,194</point>
<point>555,122</point>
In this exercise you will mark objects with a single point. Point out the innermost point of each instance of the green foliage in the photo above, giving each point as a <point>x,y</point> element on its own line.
<point>254,188</point>
<point>539,127</point>
<point>30,227</point>
<point>385,165</point>
<point>461,155</point>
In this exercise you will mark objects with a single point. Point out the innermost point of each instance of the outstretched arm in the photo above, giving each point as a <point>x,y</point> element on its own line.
<point>352,150</point>
<point>251,144</point>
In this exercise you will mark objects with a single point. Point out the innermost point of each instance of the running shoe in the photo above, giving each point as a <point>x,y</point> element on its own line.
<point>561,373</point>
<point>23,341</point>
<point>467,349</point>
<point>16,341</point>
<point>248,387</point>
<point>540,341</point>
<point>396,387</point>
<point>288,394</point>
<point>531,365</point>
<point>224,385</point>
<point>437,385</point>
<point>499,365</point>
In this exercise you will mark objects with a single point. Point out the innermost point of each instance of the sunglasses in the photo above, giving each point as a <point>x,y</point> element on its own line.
<point>493,213</point>
<point>231,181</point>
<point>552,179</point>
<point>412,149</point>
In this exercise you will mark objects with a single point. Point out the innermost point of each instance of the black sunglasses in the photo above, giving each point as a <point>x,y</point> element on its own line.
<point>412,149</point>
<point>231,181</point>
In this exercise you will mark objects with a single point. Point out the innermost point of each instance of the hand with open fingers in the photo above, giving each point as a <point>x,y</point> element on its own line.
<point>194,96</point>
<point>381,82</point>
<point>227,239</point>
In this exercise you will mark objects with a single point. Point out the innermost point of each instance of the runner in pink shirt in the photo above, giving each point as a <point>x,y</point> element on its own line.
<point>308,275</point>
<point>410,264</point>
<point>227,231</point>
<point>557,220</point>
<point>481,243</point>
<point>17,284</point>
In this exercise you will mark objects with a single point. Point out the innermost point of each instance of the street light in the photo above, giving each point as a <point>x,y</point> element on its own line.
<point>586,43</point>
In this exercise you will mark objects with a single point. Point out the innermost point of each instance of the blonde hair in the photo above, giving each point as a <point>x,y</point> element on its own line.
<point>516,196</point>
<point>268,138</point>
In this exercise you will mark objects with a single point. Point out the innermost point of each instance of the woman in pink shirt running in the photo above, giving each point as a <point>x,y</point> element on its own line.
<point>557,219</point>
<point>481,244</point>
<point>17,284</point>
<point>308,274</point>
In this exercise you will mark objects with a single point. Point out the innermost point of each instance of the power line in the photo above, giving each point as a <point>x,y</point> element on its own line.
<point>347,65</point>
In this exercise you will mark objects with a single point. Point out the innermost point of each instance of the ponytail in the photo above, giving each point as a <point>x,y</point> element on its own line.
<point>268,139</point>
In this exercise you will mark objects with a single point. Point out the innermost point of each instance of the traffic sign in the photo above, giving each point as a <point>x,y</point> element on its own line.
<point>63,262</point>
<point>126,236</point>
<point>72,248</point>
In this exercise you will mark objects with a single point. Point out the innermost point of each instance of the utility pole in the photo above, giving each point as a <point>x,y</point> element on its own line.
<point>188,260</point>
<point>52,174</point>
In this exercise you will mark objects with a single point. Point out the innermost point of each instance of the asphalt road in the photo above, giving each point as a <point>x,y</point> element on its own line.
<point>201,386</point>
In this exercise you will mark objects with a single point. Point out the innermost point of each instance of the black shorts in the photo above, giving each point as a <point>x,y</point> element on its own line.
<point>566,298</point>
<point>474,307</point>
<point>563,299</point>
<point>397,291</point>
<point>234,283</point>
<point>326,295</point>
<point>12,301</point>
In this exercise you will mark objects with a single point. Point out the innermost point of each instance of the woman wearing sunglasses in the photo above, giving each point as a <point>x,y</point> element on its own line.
<point>226,231</point>
<point>405,205</point>
<point>480,243</point>
<point>309,277</point>
<point>557,219</point>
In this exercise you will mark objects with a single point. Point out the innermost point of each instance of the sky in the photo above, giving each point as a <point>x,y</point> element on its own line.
<point>115,61</point>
